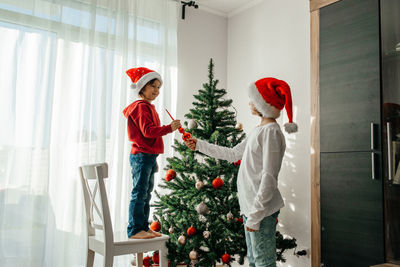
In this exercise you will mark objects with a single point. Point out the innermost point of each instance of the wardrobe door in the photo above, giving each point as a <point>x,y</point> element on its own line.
<point>349,74</point>
<point>351,213</point>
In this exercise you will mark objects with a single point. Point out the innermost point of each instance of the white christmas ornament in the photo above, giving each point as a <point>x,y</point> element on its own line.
<point>193,255</point>
<point>202,218</point>
<point>229,216</point>
<point>199,185</point>
<point>202,208</point>
<point>239,126</point>
<point>205,249</point>
<point>206,234</point>
<point>182,240</point>
<point>171,230</point>
<point>192,124</point>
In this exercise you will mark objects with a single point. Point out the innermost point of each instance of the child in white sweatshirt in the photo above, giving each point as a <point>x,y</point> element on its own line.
<point>261,155</point>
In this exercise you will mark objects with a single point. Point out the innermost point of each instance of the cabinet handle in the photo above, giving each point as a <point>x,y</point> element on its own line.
<point>372,136</point>
<point>373,166</point>
<point>389,144</point>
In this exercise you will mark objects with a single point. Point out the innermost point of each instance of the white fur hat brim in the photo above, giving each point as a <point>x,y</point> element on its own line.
<point>266,109</point>
<point>136,87</point>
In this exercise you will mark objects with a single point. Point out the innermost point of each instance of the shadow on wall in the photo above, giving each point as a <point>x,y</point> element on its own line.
<point>294,186</point>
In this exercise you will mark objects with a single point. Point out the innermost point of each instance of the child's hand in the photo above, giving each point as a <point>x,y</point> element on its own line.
<point>176,124</point>
<point>191,143</point>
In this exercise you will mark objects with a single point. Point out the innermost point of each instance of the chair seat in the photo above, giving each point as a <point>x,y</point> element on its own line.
<point>123,244</point>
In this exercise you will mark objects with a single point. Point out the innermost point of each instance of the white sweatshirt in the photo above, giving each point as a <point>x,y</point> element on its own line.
<point>257,182</point>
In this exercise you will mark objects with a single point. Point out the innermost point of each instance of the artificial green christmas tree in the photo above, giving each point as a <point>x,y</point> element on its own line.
<point>201,212</point>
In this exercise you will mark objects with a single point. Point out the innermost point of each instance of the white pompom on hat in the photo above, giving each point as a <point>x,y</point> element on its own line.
<point>141,76</point>
<point>270,96</point>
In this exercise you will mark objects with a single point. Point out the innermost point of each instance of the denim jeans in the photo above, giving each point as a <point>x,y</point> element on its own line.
<point>261,245</point>
<point>143,168</point>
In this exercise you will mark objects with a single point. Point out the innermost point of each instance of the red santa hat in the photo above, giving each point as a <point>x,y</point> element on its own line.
<point>269,96</point>
<point>141,76</point>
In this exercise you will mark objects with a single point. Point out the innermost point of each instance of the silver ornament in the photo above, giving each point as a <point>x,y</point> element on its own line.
<point>229,216</point>
<point>192,124</point>
<point>171,230</point>
<point>206,234</point>
<point>199,185</point>
<point>193,255</point>
<point>239,126</point>
<point>202,208</point>
<point>182,240</point>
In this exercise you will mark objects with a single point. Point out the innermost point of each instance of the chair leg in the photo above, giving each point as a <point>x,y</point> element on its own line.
<point>90,258</point>
<point>108,260</point>
<point>163,256</point>
<point>139,259</point>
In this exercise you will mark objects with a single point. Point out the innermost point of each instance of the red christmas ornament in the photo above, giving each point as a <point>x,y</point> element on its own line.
<point>217,183</point>
<point>186,136</point>
<point>181,130</point>
<point>168,177</point>
<point>156,257</point>
<point>155,226</point>
<point>277,220</point>
<point>191,231</point>
<point>237,162</point>
<point>146,261</point>
<point>240,220</point>
<point>172,173</point>
<point>226,258</point>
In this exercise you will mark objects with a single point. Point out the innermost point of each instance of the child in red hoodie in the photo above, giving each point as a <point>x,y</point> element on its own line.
<point>145,133</point>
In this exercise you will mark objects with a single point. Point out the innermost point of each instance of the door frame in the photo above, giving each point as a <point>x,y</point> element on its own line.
<point>315,6</point>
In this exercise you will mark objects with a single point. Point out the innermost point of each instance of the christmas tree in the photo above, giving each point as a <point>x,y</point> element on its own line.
<point>201,212</point>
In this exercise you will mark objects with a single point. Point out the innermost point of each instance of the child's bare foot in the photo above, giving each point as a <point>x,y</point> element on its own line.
<point>154,233</point>
<point>143,235</point>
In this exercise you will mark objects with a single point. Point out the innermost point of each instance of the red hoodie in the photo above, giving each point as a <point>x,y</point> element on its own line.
<point>144,130</point>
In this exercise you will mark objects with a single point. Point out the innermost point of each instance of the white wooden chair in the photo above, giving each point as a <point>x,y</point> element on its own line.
<point>106,243</point>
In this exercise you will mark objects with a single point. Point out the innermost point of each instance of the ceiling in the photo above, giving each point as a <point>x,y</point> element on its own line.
<point>223,6</point>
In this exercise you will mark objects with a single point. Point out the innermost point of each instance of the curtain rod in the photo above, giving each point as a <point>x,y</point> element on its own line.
<point>189,4</point>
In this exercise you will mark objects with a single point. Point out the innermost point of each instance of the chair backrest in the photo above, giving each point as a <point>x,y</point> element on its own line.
<point>97,173</point>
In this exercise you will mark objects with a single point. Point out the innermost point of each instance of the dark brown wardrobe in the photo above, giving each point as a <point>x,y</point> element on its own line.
<point>359,72</point>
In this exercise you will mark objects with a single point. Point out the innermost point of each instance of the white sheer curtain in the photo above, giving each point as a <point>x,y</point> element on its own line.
<point>62,91</point>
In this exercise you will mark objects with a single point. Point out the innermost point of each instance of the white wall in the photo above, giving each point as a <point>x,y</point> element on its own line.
<point>201,36</point>
<point>271,39</point>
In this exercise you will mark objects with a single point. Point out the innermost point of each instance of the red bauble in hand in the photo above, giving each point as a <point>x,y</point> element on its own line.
<point>181,130</point>
<point>146,261</point>
<point>156,258</point>
<point>217,183</point>
<point>186,136</point>
<point>191,231</point>
<point>226,258</point>
<point>155,226</point>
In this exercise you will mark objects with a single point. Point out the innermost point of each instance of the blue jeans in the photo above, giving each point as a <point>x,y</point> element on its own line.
<point>143,168</point>
<point>261,245</point>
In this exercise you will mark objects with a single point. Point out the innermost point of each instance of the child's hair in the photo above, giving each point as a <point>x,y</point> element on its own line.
<point>149,83</point>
